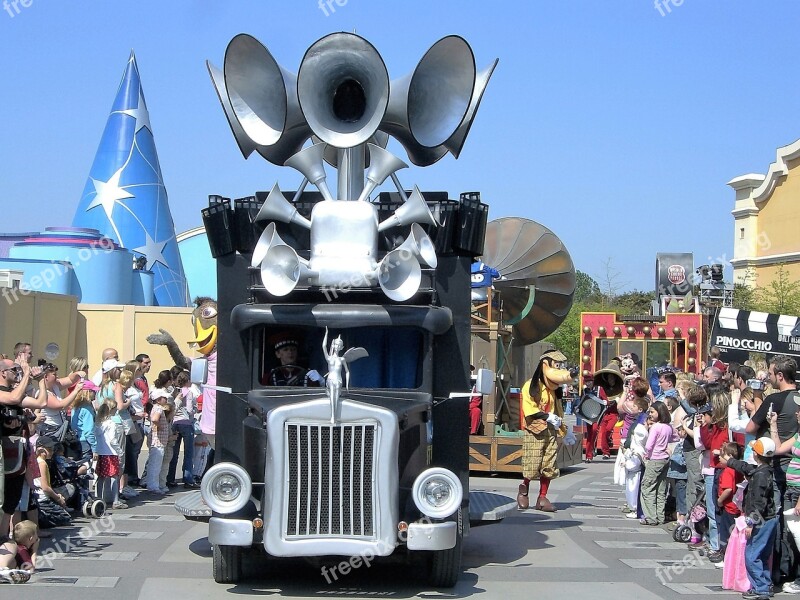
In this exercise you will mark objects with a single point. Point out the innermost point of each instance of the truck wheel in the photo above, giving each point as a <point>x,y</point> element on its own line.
<point>446,564</point>
<point>227,564</point>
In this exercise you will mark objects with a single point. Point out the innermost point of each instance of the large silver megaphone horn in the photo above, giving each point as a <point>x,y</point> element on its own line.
<point>259,99</point>
<point>281,267</point>
<point>309,162</point>
<point>413,210</point>
<point>382,164</point>
<point>420,245</point>
<point>431,110</point>
<point>343,89</point>
<point>277,208</point>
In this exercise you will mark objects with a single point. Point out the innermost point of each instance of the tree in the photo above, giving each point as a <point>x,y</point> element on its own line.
<point>586,288</point>
<point>634,303</point>
<point>610,282</point>
<point>780,296</point>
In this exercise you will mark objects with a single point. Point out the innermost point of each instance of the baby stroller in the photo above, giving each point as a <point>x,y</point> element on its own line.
<point>699,518</point>
<point>79,484</point>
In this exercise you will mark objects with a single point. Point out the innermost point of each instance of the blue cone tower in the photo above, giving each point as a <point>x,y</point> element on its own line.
<point>125,197</point>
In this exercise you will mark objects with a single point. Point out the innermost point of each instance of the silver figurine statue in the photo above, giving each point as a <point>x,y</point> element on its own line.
<point>333,379</point>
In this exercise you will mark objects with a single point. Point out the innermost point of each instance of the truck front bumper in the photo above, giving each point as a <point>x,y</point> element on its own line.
<point>230,532</point>
<point>431,536</point>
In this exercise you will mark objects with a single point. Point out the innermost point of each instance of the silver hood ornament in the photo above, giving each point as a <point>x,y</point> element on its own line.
<point>336,363</point>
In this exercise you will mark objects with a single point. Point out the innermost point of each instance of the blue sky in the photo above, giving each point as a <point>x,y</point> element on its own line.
<point>612,124</point>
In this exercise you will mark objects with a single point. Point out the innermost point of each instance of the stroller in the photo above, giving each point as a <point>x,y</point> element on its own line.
<point>698,516</point>
<point>78,487</point>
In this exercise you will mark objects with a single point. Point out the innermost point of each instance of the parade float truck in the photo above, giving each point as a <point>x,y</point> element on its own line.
<point>373,462</point>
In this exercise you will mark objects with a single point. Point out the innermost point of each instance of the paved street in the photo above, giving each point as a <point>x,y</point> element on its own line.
<point>588,549</point>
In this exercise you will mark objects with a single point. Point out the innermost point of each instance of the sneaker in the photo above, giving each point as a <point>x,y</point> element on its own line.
<point>128,492</point>
<point>791,588</point>
<point>14,575</point>
<point>715,556</point>
<point>697,544</point>
<point>119,506</point>
<point>155,491</point>
<point>720,564</point>
<point>631,515</point>
<point>164,490</point>
<point>753,595</point>
<point>606,456</point>
<point>625,508</point>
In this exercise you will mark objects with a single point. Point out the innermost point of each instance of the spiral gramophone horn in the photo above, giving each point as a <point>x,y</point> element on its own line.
<point>413,210</point>
<point>309,162</point>
<point>263,99</point>
<point>343,89</point>
<point>277,208</point>
<point>610,378</point>
<point>281,267</point>
<point>399,275</point>
<point>382,164</point>
<point>421,246</point>
<point>428,106</point>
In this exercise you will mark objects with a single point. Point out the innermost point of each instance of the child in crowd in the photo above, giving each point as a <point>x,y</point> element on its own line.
<point>18,556</point>
<point>728,510</point>
<point>82,420</point>
<point>159,438</point>
<point>656,453</point>
<point>169,449</point>
<point>759,510</point>
<point>633,449</point>
<point>110,435</point>
<point>710,435</point>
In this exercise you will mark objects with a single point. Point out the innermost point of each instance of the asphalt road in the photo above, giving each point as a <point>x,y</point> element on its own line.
<point>587,549</point>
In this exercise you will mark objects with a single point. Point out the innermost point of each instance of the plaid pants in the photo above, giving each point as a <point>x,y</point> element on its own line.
<point>539,452</point>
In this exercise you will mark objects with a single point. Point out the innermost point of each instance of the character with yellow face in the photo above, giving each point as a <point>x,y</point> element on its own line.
<point>543,411</point>
<point>204,319</point>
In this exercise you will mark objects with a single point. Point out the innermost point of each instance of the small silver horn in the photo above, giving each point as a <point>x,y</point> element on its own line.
<point>399,275</point>
<point>309,162</point>
<point>413,210</point>
<point>263,99</point>
<point>420,245</point>
<point>281,267</point>
<point>277,208</point>
<point>343,89</point>
<point>382,164</point>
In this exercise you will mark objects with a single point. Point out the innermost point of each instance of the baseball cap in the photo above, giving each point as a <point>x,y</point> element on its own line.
<point>111,364</point>
<point>157,393</point>
<point>705,409</point>
<point>763,446</point>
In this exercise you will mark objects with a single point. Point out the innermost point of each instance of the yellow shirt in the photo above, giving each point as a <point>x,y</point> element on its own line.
<point>544,400</point>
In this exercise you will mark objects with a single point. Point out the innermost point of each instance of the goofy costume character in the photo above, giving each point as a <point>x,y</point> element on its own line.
<point>543,412</point>
<point>204,319</point>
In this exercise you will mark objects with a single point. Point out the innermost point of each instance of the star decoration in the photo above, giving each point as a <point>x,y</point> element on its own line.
<point>108,192</point>
<point>139,113</point>
<point>153,250</point>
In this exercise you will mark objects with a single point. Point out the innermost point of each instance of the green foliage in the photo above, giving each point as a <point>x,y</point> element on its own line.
<point>586,289</point>
<point>633,303</point>
<point>780,296</point>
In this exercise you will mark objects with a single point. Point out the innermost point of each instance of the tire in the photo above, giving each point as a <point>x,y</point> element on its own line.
<point>227,564</point>
<point>86,509</point>
<point>682,533</point>
<point>446,564</point>
<point>98,509</point>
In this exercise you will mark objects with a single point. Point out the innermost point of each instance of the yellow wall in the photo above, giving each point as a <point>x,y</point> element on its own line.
<point>779,216</point>
<point>41,319</point>
<point>766,274</point>
<point>86,329</point>
<point>125,328</point>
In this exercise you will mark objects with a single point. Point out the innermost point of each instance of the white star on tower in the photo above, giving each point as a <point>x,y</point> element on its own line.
<point>108,192</point>
<point>153,250</point>
<point>139,113</point>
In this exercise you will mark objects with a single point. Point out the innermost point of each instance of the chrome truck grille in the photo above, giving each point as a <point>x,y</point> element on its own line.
<point>330,480</point>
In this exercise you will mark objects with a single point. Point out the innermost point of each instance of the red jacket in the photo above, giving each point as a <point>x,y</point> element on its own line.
<point>713,436</point>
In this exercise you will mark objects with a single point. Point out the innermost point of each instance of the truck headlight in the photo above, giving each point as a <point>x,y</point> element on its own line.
<point>226,488</point>
<point>437,493</point>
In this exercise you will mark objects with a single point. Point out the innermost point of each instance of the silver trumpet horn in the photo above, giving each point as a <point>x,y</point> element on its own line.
<point>420,245</point>
<point>343,89</point>
<point>382,164</point>
<point>309,162</point>
<point>456,141</point>
<point>399,275</point>
<point>281,267</point>
<point>413,210</point>
<point>263,100</point>
<point>428,106</point>
<point>277,208</point>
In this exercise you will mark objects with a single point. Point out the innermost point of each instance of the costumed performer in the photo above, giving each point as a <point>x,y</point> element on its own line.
<point>204,319</point>
<point>289,373</point>
<point>543,412</point>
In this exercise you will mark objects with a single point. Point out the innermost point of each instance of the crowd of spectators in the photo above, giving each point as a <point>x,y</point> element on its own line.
<point>93,426</point>
<point>719,457</point>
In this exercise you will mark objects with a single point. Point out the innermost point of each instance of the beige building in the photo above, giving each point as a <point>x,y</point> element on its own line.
<point>767,220</point>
